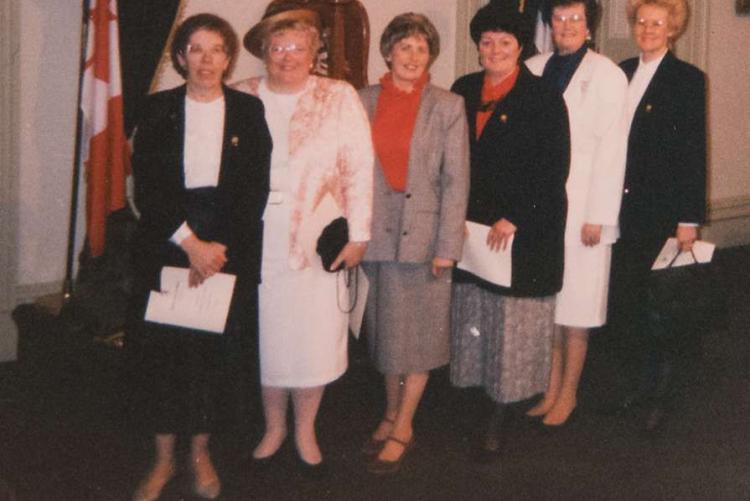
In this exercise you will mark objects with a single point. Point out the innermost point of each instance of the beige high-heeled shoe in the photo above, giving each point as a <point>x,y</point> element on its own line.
<point>207,484</point>
<point>151,486</point>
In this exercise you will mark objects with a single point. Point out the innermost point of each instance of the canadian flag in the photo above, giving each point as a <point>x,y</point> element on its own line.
<point>104,148</point>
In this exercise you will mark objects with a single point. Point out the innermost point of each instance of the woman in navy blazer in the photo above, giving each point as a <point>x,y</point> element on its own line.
<point>201,162</point>
<point>665,185</point>
<point>520,155</point>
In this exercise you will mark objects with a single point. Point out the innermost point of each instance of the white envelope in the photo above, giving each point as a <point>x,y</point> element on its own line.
<point>479,259</point>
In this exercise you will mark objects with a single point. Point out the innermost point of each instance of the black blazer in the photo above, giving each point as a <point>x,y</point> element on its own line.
<point>665,177</point>
<point>160,185</point>
<point>518,171</point>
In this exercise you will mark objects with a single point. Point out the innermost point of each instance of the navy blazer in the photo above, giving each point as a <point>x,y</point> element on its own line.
<point>518,171</point>
<point>665,177</point>
<point>160,185</point>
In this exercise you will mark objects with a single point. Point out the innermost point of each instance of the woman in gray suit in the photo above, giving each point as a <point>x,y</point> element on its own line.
<point>420,194</point>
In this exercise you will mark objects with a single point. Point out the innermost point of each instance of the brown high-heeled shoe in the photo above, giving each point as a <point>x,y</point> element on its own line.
<point>373,446</point>
<point>384,467</point>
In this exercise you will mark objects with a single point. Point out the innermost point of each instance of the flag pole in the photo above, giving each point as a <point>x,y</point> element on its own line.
<point>68,281</point>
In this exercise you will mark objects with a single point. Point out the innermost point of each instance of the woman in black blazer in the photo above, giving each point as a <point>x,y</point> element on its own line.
<point>200,161</point>
<point>665,187</point>
<point>520,153</point>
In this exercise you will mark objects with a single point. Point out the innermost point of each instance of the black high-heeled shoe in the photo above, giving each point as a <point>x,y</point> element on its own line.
<point>490,446</point>
<point>317,471</point>
<point>265,462</point>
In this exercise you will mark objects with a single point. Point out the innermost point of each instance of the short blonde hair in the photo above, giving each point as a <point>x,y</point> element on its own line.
<point>677,13</point>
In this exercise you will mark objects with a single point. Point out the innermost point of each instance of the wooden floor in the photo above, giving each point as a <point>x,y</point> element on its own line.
<point>65,433</point>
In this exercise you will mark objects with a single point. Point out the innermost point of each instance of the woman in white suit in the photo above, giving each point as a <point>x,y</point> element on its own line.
<point>595,91</point>
<point>321,168</point>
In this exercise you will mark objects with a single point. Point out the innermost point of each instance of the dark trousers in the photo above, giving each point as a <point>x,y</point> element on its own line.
<point>652,349</point>
<point>190,382</point>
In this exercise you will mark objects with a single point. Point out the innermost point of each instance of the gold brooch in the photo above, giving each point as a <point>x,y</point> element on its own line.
<point>235,140</point>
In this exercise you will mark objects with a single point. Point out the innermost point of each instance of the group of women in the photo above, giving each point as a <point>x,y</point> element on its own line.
<point>243,180</point>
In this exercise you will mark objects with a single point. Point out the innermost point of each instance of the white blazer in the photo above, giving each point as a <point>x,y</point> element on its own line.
<point>596,99</point>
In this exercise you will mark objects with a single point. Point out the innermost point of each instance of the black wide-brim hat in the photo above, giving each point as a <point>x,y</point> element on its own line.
<point>277,12</point>
<point>495,17</point>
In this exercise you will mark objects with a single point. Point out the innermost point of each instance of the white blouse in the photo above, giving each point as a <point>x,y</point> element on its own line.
<point>640,82</point>
<point>204,136</point>
<point>279,111</point>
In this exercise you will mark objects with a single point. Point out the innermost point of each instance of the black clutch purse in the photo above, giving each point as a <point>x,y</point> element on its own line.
<point>332,240</point>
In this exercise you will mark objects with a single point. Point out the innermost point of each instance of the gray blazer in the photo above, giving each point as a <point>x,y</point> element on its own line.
<point>427,220</point>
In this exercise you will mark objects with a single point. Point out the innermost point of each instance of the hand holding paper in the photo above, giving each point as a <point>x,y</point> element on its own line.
<point>704,252</point>
<point>500,235</point>
<point>481,260</point>
<point>204,307</point>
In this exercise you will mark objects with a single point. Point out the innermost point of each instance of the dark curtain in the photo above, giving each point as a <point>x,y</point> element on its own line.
<point>144,29</point>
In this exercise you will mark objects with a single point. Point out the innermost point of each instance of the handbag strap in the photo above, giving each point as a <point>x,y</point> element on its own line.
<point>695,260</point>
<point>348,273</point>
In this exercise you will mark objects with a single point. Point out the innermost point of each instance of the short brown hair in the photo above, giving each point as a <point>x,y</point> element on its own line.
<point>406,25</point>
<point>208,22</point>
<point>677,10</point>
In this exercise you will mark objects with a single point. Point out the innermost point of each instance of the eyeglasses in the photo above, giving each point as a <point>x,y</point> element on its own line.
<point>644,23</point>
<point>199,51</point>
<point>573,18</point>
<point>292,48</point>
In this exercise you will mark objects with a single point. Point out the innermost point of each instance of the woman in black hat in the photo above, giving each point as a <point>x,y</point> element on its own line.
<point>520,149</point>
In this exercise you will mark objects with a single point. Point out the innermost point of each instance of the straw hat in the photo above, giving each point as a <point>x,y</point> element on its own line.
<point>277,12</point>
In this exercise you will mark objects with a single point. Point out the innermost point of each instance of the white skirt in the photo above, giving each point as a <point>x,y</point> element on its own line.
<point>303,333</point>
<point>582,302</point>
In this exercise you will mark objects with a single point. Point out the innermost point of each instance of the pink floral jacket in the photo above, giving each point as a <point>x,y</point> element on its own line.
<point>330,153</point>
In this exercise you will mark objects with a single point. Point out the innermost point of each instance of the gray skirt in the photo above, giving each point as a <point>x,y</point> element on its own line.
<point>407,317</point>
<point>501,343</point>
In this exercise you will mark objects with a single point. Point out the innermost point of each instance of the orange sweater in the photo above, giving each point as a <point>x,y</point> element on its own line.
<point>491,95</point>
<point>393,127</point>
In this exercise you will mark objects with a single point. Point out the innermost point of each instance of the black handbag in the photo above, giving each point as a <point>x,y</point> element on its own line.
<point>686,296</point>
<point>332,240</point>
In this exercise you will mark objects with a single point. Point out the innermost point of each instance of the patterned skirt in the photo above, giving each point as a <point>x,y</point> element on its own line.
<point>501,343</point>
